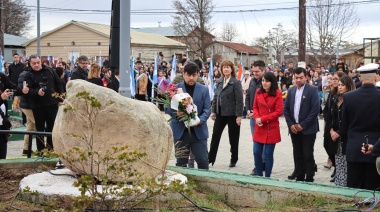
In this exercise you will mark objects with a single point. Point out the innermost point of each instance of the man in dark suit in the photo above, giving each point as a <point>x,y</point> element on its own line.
<point>301,114</point>
<point>196,140</point>
<point>361,126</point>
<point>258,69</point>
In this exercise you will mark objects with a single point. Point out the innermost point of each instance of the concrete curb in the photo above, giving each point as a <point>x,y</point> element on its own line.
<point>246,190</point>
<point>27,162</point>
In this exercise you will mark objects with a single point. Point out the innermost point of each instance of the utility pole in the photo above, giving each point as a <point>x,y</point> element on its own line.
<point>1,29</point>
<point>302,31</point>
<point>38,29</point>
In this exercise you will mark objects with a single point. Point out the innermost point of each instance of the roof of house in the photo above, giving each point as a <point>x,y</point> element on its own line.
<point>164,31</point>
<point>14,40</point>
<point>239,47</point>
<point>136,37</point>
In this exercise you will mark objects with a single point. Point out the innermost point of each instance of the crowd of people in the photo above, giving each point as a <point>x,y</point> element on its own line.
<point>264,94</point>
<point>31,85</point>
<point>302,96</point>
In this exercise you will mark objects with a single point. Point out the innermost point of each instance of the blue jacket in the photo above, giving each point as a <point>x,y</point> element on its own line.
<point>201,98</point>
<point>309,110</point>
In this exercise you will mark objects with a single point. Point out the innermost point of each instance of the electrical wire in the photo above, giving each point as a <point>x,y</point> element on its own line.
<point>172,12</point>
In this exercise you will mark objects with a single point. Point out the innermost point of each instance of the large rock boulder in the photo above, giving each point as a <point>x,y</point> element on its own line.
<point>120,121</point>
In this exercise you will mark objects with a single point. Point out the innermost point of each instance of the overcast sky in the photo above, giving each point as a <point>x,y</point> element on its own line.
<point>249,24</point>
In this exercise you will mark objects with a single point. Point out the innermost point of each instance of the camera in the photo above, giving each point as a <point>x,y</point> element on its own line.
<point>44,84</point>
<point>11,91</point>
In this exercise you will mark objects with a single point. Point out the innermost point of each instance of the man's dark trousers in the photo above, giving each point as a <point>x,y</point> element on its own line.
<point>198,148</point>
<point>45,114</point>
<point>303,151</point>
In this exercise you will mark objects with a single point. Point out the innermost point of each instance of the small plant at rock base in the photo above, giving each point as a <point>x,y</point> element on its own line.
<point>99,189</point>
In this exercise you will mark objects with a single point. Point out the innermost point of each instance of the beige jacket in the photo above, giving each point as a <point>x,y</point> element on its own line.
<point>141,84</point>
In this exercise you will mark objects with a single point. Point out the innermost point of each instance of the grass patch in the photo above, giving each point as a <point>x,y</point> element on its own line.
<point>303,204</point>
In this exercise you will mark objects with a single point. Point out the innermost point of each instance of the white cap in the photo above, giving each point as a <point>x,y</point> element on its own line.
<point>369,68</point>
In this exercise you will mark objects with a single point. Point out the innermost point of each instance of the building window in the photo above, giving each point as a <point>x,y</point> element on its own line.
<point>14,51</point>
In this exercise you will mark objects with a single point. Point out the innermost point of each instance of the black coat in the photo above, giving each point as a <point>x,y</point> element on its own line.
<point>361,116</point>
<point>5,83</point>
<point>327,116</point>
<point>24,100</point>
<point>228,101</point>
<point>54,85</point>
<point>336,115</point>
<point>96,81</point>
<point>15,71</point>
<point>251,91</point>
<point>79,73</point>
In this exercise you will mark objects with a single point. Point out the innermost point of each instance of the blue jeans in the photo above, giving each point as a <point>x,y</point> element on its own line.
<point>252,123</point>
<point>244,112</point>
<point>258,151</point>
<point>198,149</point>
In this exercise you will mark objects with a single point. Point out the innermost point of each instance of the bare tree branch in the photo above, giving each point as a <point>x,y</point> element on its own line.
<point>192,21</point>
<point>16,17</point>
<point>329,26</point>
<point>229,32</point>
<point>278,39</point>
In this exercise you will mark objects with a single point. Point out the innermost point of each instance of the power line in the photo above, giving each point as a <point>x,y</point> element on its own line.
<point>172,12</point>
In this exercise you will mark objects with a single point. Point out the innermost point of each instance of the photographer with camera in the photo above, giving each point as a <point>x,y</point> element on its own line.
<point>7,89</point>
<point>41,83</point>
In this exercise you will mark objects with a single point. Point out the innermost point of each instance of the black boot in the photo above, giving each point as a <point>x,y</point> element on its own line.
<point>333,174</point>
<point>332,180</point>
<point>292,176</point>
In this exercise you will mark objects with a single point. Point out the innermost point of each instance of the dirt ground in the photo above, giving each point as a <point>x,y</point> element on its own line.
<point>9,183</point>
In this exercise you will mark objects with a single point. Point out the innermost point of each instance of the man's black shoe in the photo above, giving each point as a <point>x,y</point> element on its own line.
<point>292,176</point>
<point>25,152</point>
<point>253,173</point>
<point>333,174</point>
<point>332,179</point>
<point>232,164</point>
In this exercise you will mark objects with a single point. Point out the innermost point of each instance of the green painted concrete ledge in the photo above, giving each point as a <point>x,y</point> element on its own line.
<point>27,162</point>
<point>271,182</point>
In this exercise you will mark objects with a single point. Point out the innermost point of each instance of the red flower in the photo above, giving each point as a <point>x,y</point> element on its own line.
<point>171,87</point>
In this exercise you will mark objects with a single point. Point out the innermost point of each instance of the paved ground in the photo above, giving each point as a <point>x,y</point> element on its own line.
<point>283,156</point>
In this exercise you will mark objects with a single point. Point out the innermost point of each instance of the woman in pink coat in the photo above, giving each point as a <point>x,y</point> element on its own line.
<point>267,108</point>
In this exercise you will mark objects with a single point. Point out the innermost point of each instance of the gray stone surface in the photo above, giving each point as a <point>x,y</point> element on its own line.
<point>283,155</point>
<point>118,122</point>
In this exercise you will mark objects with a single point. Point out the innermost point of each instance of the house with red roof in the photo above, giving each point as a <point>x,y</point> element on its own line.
<point>224,50</point>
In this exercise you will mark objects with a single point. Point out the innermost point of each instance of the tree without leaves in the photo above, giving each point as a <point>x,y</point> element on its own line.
<point>329,23</point>
<point>16,17</point>
<point>229,32</point>
<point>278,39</point>
<point>194,15</point>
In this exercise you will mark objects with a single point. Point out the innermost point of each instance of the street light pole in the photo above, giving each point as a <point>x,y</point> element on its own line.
<point>38,29</point>
<point>2,30</point>
<point>125,48</point>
